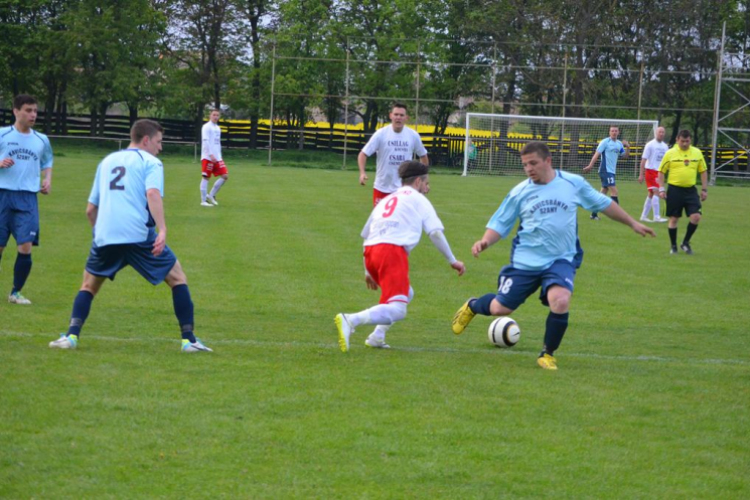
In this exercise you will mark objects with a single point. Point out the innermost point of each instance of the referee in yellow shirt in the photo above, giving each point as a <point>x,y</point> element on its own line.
<point>683,163</point>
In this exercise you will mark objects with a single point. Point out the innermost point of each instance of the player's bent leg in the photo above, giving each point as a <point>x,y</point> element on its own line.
<point>176,276</point>
<point>184,309</point>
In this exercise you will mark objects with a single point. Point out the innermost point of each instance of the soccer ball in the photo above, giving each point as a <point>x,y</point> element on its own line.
<point>504,332</point>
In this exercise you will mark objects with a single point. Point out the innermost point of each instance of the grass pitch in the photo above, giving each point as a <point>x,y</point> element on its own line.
<point>651,399</point>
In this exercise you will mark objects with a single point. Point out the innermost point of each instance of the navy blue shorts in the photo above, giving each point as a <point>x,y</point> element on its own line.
<point>514,286</point>
<point>607,179</point>
<point>106,261</point>
<point>19,216</point>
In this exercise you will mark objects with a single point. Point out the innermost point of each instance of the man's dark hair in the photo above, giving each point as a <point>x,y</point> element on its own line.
<point>143,128</point>
<point>215,109</point>
<point>21,100</point>
<point>684,134</point>
<point>410,170</point>
<point>537,147</point>
<point>399,105</point>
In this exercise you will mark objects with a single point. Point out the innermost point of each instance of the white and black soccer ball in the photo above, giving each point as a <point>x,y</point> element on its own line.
<point>504,332</point>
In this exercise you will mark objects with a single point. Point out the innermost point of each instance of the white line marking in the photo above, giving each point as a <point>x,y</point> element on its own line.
<point>334,345</point>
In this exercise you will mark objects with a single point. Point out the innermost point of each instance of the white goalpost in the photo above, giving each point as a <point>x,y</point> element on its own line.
<point>493,142</point>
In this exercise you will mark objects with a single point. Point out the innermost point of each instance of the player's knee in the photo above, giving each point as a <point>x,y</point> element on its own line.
<point>25,248</point>
<point>497,309</point>
<point>695,218</point>
<point>176,276</point>
<point>225,177</point>
<point>559,303</point>
<point>397,311</point>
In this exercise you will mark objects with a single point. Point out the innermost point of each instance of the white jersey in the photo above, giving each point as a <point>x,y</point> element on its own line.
<point>400,218</point>
<point>393,148</point>
<point>653,153</point>
<point>210,141</point>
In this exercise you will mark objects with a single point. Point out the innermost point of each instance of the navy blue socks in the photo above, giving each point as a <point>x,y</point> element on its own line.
<point>482,304</point>
<point>81,309</point>
<point>556,326</point>
<point>183,309</point>
<point>616,199</point>
<point>21,271</point>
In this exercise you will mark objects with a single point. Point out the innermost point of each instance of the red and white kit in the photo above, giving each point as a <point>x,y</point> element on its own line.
<point>211,146</point>
<point>393,148</point>
<point>653,153</point>
<point>392,231</point>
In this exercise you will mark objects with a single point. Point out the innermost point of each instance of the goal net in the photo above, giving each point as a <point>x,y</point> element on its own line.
<point>493,142</point>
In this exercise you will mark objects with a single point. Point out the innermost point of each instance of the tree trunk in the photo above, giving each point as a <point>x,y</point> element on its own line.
<point>133,111</point>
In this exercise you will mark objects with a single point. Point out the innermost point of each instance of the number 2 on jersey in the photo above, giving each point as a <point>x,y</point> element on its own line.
<point>119,174</point>
<point>390,206</point>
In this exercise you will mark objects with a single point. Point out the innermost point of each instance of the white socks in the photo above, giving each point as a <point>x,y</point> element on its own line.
<point>382,314</point>
<point>651,204</point>
<point>646,207</point>
<point>217,185</point>
<point>655,206</point>
<point>204,189</point>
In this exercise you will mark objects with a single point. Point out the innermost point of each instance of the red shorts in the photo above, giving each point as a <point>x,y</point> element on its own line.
<point>377,196</point>
<point>213,168</point>
<point>389,267</point>
<point>651,176</point>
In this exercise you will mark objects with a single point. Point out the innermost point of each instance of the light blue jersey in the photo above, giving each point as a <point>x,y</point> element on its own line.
<point>31,153</point>
<point>610,151</point>
<point>119,191</point>
<point>549,226</point>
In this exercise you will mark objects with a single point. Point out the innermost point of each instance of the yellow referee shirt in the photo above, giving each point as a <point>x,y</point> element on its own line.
<point>682,166</point>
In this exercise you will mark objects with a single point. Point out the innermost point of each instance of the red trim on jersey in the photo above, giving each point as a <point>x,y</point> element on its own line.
<point>209,168</point>
<point>651,177</point>
<point>377,196</point>
<point>389,267</point>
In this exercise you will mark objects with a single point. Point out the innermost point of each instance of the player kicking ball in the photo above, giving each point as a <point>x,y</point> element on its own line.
<point>391,233</point>
<point>124,206</point>
<point>546,252</point>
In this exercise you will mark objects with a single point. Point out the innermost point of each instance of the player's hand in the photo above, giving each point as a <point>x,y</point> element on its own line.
<point>479,247</point>
<point>640,179</point>
<point>643,230</point>
<point>460,267</point>
<point>363,179</point>
<point>212,158</point>
<point>663,195</point>
<point>704,195</point>
<point>586,169</point>
<point>626,144</point>
<point>159,244</point>
<point>7,163</point>
<point>371,285</point>
<point>46,186</point>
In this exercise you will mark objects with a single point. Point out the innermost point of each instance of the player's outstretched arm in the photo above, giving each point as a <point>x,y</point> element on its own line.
<point>490,238</point>
<point>438,239</point>
<point>591,163</point>
<point>615,212</point>
<point>361,162</point>
<point>156,207</point>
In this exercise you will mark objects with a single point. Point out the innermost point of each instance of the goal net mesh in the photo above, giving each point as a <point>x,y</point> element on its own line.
<point>493,142</point>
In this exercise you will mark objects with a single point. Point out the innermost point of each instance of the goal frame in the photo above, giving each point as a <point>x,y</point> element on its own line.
<point>608,121</point>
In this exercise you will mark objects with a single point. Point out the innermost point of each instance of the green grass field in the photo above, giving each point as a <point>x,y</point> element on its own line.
<point>651,399</point>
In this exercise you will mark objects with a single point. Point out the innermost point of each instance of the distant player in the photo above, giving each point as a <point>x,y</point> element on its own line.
<point>545,252</point>
<point>24,155</point>
<point>124,206</point>
<point>609,149</point>
<point>394,145</point>
<point>391,233</point>
<point>683,163</point>
<point>650,161</point>
<point>211,161</point>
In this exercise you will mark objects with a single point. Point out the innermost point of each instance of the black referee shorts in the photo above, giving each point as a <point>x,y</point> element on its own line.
<point>682,198</point>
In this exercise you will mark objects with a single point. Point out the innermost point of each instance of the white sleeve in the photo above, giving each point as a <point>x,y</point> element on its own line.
<point>366,230</point>
<point>647,151</point>
<point>419,148</point>
<point>373,144</point>
<point>438,239</point>
<point>205,143</point>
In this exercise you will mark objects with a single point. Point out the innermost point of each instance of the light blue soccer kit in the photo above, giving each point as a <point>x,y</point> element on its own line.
<point>610,152</point>
<point>546,250</point>
<point>19,184</point>
<point>124,231</point>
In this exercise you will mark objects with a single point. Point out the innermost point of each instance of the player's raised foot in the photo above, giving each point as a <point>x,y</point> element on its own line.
<point>660,219</point>
<point>345,331</point>
<point>196,346</point>
<point>211,200</point>
<point>462,318</point>
<point>685,247</point>
<point>17,298</point>
<point>376,343</point>
<point>547,361</point>
<point>673,250</point>
<point>65,342</point>
<point>206,204</point>
<point>594,217</point>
